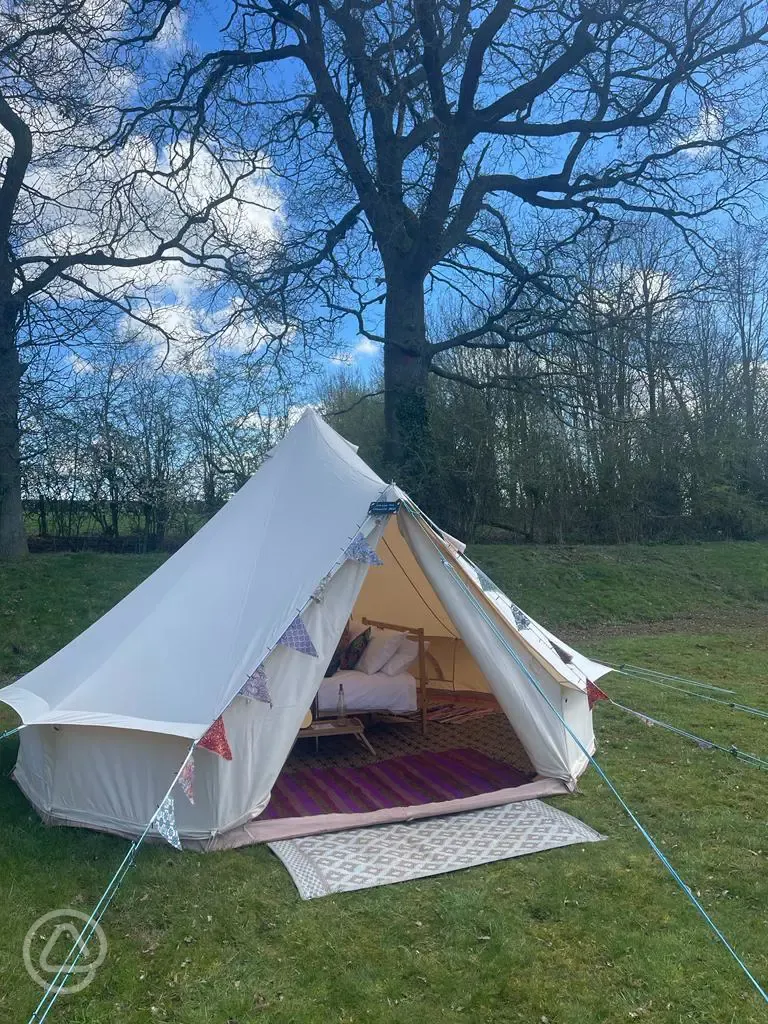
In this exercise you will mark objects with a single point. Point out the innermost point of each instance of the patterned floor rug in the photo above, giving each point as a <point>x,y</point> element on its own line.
<point>406,781</point>
<point>492,734</point>
<point>367,857</point>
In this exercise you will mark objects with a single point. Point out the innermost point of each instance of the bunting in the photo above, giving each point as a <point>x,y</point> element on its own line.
<point>319,593</point>
<point>297,637</point>
<point>187,780</point>
<point>486,583</point>
<point>165,823</point>
<point>563,655</point>
<point>521,619</point>
<point>361,551</point>
<point>594,694</point>
<point>255,687</point>
<point>216,740</point>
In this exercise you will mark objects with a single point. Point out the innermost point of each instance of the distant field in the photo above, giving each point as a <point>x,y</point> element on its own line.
<point>594,935</point>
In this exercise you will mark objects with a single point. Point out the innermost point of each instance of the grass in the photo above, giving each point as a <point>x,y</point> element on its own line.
<point>590,586</point>
<point>46,600</point>
<point>584,935</point>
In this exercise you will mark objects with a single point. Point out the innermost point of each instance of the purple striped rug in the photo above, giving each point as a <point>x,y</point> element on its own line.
<point>407,781</point>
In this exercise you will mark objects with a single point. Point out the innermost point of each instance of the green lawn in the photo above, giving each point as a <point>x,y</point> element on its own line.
<point>575,936</point>
<point>590,586</point>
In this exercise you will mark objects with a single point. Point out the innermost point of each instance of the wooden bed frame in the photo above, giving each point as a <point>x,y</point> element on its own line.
<point>416,634</point>
<point>424,692</point>
<point>438,694</point>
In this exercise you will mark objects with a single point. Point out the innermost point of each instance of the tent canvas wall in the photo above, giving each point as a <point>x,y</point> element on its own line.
<point>110,717</point>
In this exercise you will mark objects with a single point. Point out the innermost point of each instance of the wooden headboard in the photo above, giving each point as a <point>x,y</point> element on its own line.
<point>413,633</point>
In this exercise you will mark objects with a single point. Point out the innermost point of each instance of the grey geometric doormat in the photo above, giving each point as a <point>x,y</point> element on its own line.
<point>362,858</point>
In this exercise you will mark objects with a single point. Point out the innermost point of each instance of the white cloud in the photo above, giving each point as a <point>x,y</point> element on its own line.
<point>80,365</point>
<point>173,36</point>
<point>708,129</point>
<point>366,347</point>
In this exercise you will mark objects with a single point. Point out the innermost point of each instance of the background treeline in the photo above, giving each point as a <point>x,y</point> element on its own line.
<point>641,415</point>
<point>639,412</point>
<point>123,452</point>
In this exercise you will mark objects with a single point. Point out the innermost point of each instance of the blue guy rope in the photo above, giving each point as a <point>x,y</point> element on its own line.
<point>58,983</point>
<point>10,732</point>
<point>686,889</point>
<point>733,705</point>
<point>734,751</point>
<point>642,673</point>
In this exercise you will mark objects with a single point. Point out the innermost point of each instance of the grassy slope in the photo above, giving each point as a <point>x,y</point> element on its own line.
<point>586,586</point>
<point>46,600</point>
<point>575,936</point>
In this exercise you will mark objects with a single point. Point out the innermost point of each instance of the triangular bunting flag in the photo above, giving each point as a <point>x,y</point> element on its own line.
<point>594,694</point>
<point>521,619</point>
<point>361,551</point>
<point>319,593</point>
<point>297,637</point>
<point>562,655</point>
<point>216,740</point>
<point>255,687</point>
<point>187,780</point>
<point>486,583</point>
<point>165,823</point>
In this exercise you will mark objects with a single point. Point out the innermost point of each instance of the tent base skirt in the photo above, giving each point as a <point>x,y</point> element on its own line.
<point>257,831</point>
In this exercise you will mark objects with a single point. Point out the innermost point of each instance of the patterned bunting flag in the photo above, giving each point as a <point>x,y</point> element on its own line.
<point>486,583</point>
<point>319,593</point>
<point>297,637</point>
<point>521,619</point>
<point>594,694</point>
<point>187,780</point>
<point>165,823</point>
<point>216,740</point>
<point>361,551</point>
<point>255,687</point>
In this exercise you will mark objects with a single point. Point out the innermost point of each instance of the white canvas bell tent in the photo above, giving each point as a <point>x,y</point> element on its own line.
<point>109,719</point>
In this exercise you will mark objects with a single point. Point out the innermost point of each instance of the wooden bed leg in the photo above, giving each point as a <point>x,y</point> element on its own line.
<point>422,682</point>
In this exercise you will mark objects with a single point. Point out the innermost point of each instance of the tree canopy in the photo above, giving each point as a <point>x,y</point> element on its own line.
<point>439,155</point>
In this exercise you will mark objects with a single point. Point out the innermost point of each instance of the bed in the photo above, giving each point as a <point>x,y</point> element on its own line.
<point>362,692</point>
<point>395,695</point>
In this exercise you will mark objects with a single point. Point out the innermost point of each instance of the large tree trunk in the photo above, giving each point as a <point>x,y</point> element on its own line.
<point>407,444</point>
<point>13,540</point>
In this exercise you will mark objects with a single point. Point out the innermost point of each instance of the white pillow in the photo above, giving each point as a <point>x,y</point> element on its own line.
<point>406,653</point>
<point>384,643</point>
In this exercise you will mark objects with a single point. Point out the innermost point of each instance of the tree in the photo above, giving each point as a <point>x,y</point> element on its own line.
<point>744,274</point>
<point>90,218</point>
<point>445,151</point>
<point>234,414</point>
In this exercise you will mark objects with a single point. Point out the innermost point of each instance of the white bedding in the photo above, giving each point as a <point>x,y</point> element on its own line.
<point>377,692</point>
